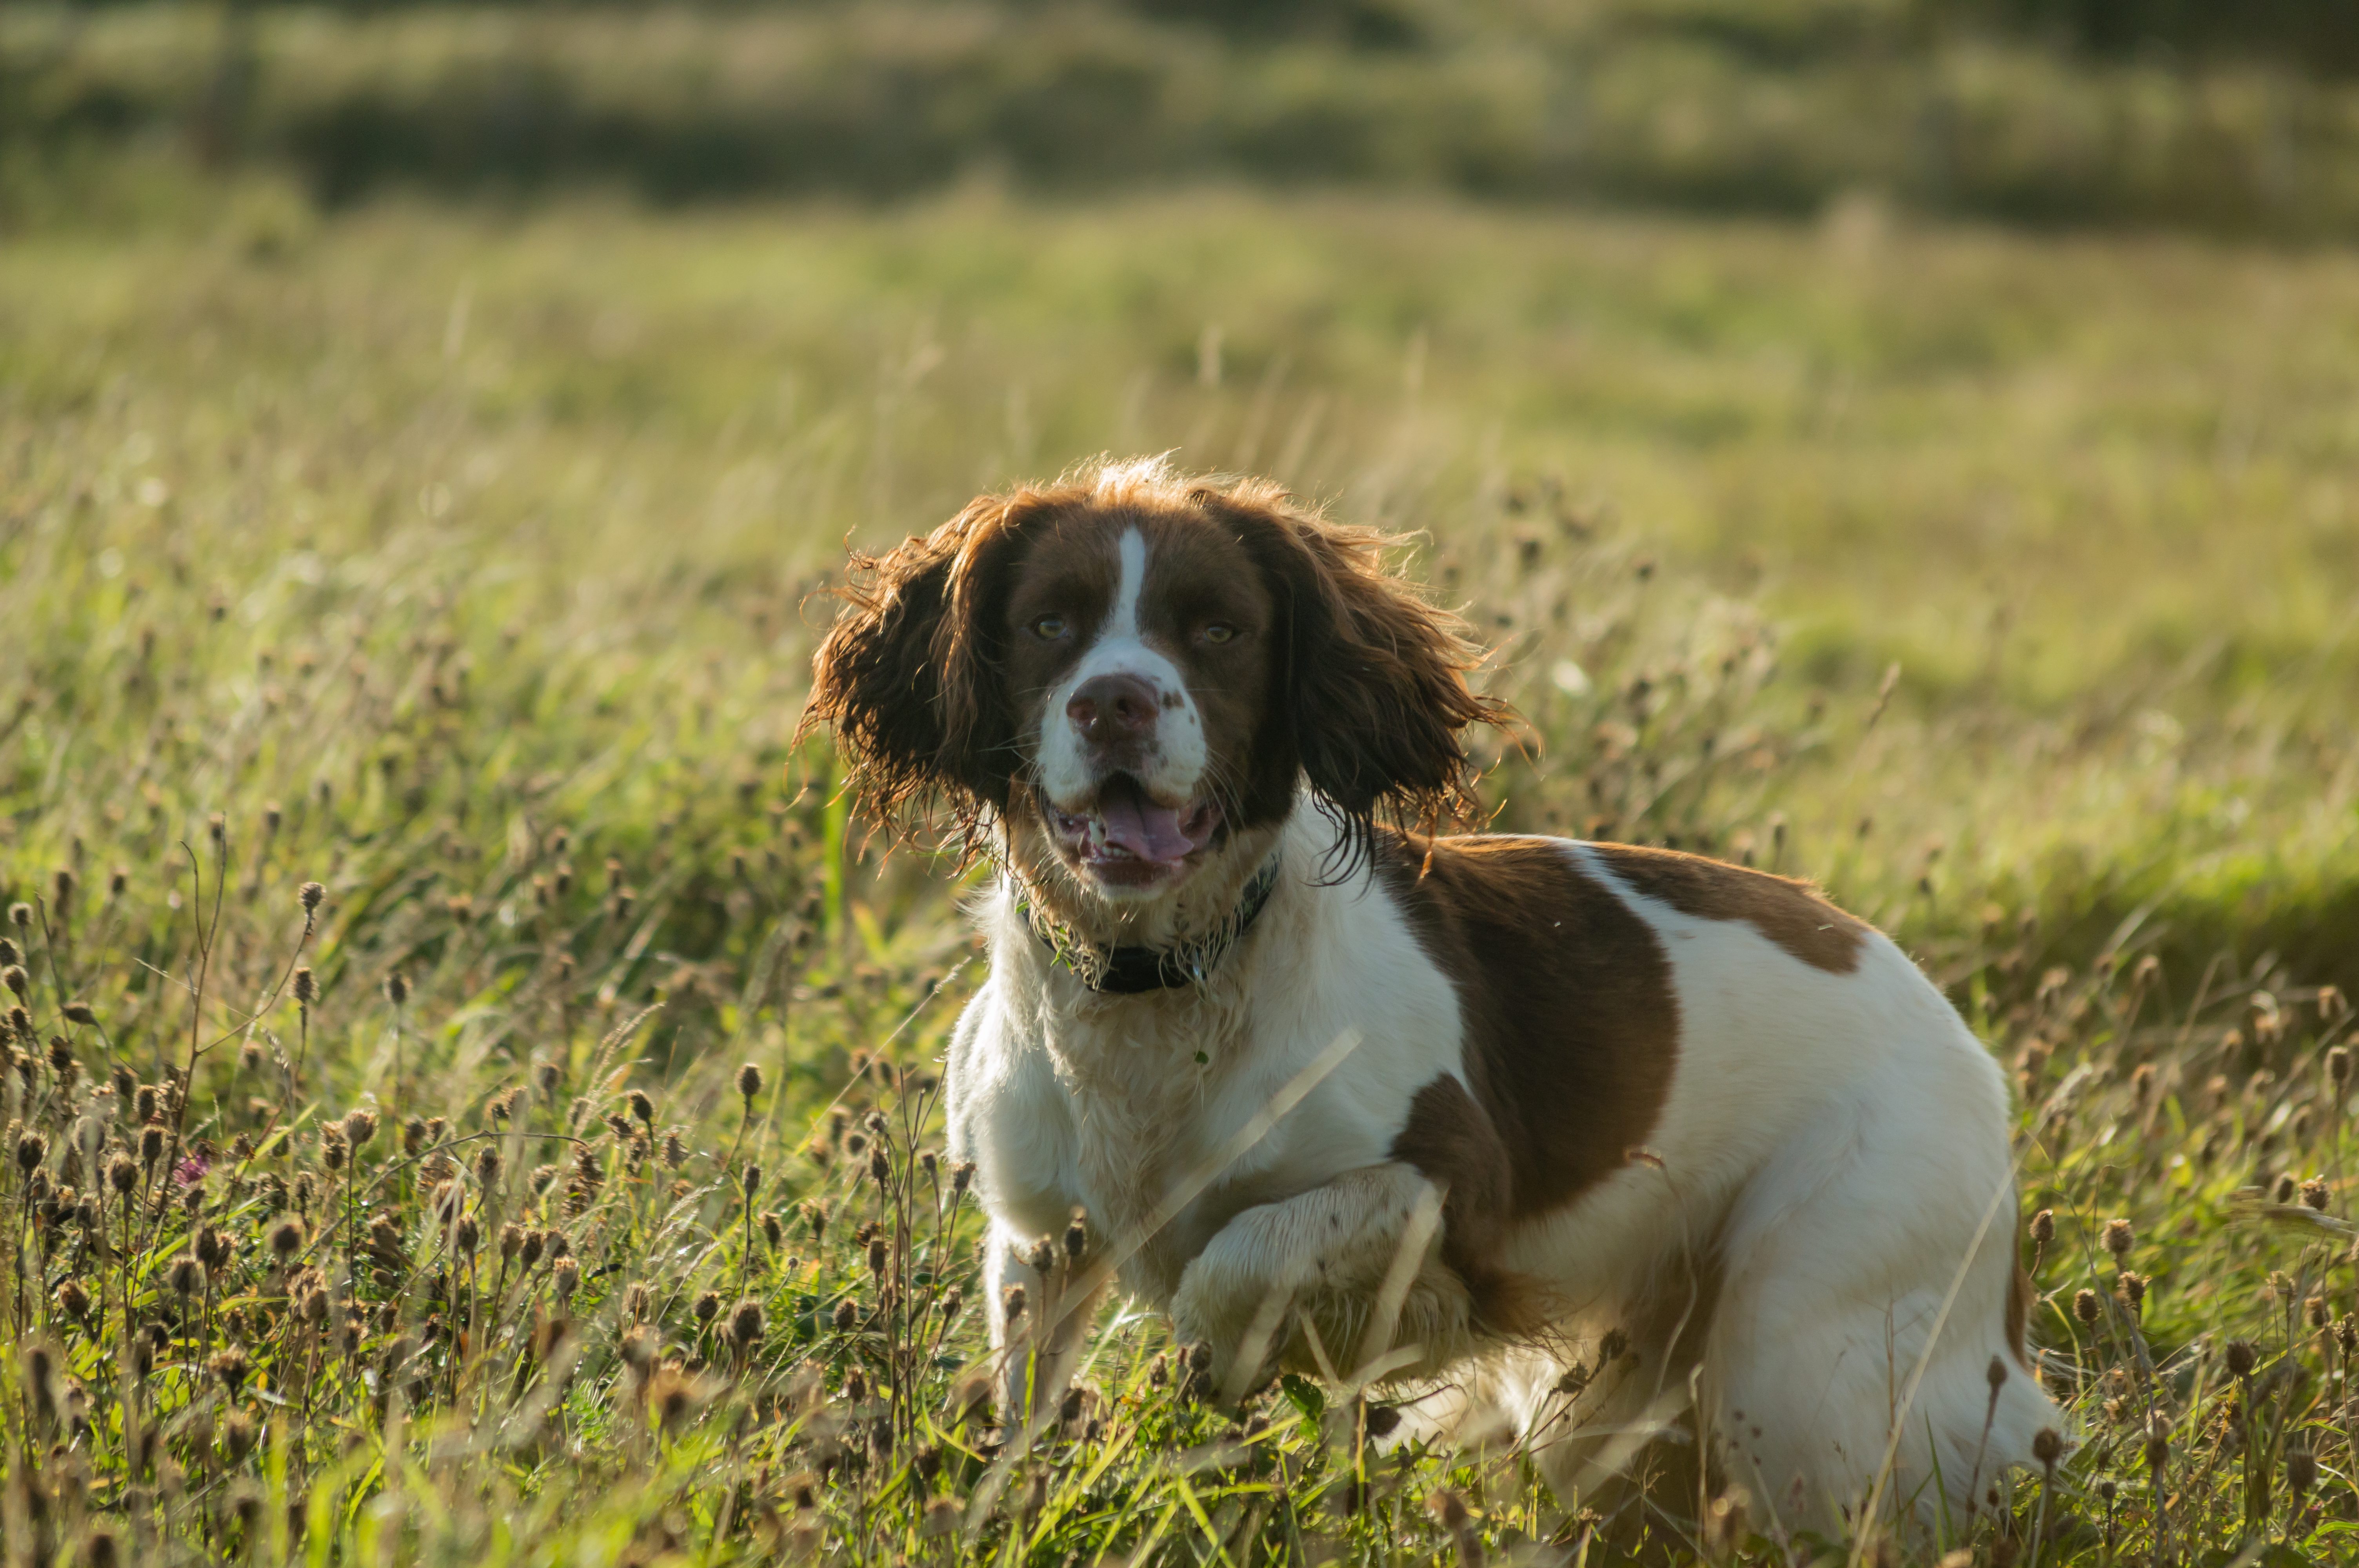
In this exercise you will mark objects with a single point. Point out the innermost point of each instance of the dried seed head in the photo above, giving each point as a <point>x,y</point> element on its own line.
<point>143,1103</point>
<point>535,1243</point>
<point>1995,1373</point>
<point>751,1183</point>
<point>2087,1305</point>
<point>2314,1193</point>
<point>2119,1238</point>
<point>2047,1447</point>
<point>21,915</point>
<point>1011,1302</point>
<point>80,1013</point>
<point>1448,1509</point>
<point>961,1175</point>
<point>2043,1226</point>
<point>1077,1237</point>
<point>563,1276</point>
<point>249,1057</point>
<point>122,1174</point>
<point>774,1231</point>
<point>642,1108</point>
<point>847,1313</point>
<point>186,1275</point>
<point>545,1076</point>
<point>745,1326</point>
<point>487,1165</point>
<point>16,980</point>
<point>396,988</point>
<point>360,1126</point>
<point>2300,1471</point>
<point>151,1143</point>
<point>749,1080</point>
<point>287,1237</point>
<point>307,985</point>
<point>311,894</point>
<point>1040,1256</point>
<point>31,1150</point>
<point>2338,1067</point>
<point>706,1307</point>
<point>511,1239</point>
<point>878,1256</point>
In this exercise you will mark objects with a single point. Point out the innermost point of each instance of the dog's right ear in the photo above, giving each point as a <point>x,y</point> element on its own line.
<point>902,676</point>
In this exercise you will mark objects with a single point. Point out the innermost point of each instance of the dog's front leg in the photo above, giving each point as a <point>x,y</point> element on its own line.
<point>1039,1321</point>
<point>1346,1278</point>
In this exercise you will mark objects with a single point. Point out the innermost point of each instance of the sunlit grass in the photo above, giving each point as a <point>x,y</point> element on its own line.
<point>464,564</point>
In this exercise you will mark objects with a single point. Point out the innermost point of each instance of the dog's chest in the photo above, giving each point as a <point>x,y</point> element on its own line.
<point>1156,1126</point>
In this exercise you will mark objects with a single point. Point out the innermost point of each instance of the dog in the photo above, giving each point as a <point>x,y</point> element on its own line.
<point>1591,1143</point>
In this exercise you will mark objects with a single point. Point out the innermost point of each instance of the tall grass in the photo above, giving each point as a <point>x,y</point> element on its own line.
<point>565,1183</point>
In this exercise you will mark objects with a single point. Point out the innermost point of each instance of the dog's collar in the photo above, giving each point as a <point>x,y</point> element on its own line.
<point>1129,971</point>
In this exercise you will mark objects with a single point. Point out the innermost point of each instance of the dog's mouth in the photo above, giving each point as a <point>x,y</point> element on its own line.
<point>1128,838</point>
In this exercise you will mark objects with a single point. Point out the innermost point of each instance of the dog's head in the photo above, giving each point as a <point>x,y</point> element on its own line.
<point>1132,672</point>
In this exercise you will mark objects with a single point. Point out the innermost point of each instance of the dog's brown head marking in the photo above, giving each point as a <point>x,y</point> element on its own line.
<point>1273,646</point>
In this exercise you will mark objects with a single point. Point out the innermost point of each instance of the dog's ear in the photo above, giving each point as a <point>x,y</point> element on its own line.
<point>1371,681</point>
<point>902,677</point>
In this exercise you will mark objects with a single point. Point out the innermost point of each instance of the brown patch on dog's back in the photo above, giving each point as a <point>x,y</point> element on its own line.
<point>1791,914</point>
<point>1571,1033</point>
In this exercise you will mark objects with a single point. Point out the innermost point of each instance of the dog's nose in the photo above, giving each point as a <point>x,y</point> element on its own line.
<point>1109,709</point>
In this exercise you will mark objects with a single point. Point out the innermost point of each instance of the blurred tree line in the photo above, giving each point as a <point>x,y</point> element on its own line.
<point>2240,118</point>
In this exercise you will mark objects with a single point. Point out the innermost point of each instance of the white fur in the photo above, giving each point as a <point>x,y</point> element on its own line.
<point>1833,1149</point>
<point>1174,764</point>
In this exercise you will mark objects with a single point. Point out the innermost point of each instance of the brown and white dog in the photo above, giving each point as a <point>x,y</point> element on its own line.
<point>1453,1112</point>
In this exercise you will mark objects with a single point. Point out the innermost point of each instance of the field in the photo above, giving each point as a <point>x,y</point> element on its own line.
<point>562,1187</point>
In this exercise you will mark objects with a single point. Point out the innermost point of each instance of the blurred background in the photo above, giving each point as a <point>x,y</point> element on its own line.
<point>1909,442</point>
<point>2237,119</point>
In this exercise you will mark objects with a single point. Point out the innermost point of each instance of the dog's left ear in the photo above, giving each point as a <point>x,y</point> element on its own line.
<point>1372,684</point>
<point>902,676</point>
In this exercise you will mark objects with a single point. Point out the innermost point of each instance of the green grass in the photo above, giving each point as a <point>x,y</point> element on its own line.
<point>464,562</point>
<point>1981,107</point>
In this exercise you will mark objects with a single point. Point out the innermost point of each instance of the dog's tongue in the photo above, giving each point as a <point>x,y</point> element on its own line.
<point>1136,826</point>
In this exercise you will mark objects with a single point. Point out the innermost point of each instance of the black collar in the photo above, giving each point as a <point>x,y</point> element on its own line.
<point>1128,971</point>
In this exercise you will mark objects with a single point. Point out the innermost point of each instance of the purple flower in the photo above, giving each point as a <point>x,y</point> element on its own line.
<point>191,1171</point>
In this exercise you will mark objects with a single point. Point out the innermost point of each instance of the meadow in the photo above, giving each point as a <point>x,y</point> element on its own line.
<point>475,1089</point>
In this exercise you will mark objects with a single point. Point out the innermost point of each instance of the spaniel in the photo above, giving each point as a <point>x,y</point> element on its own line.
<point>1594,1143</point>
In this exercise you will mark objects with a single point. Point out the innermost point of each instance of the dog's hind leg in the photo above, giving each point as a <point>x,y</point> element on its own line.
<point>1866,1301</point>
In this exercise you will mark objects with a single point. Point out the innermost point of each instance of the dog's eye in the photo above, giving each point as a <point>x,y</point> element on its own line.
<point>1048,628</point>
<point>1216,632</point>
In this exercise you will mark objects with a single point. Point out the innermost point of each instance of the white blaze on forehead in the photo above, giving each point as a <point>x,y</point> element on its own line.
<point>1124,621</point>
<point>1173,764</point>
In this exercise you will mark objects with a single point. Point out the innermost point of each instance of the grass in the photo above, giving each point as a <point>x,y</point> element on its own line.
<point>1979,108</point>
<point>462,562</point>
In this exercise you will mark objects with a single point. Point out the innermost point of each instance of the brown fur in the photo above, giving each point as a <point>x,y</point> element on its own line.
<point>1357,684</point>
<point>1570,1030</point>
<point>1791,914</point>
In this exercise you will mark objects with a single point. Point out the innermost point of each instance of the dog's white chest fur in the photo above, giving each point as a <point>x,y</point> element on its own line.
<point>1155,1116</point>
